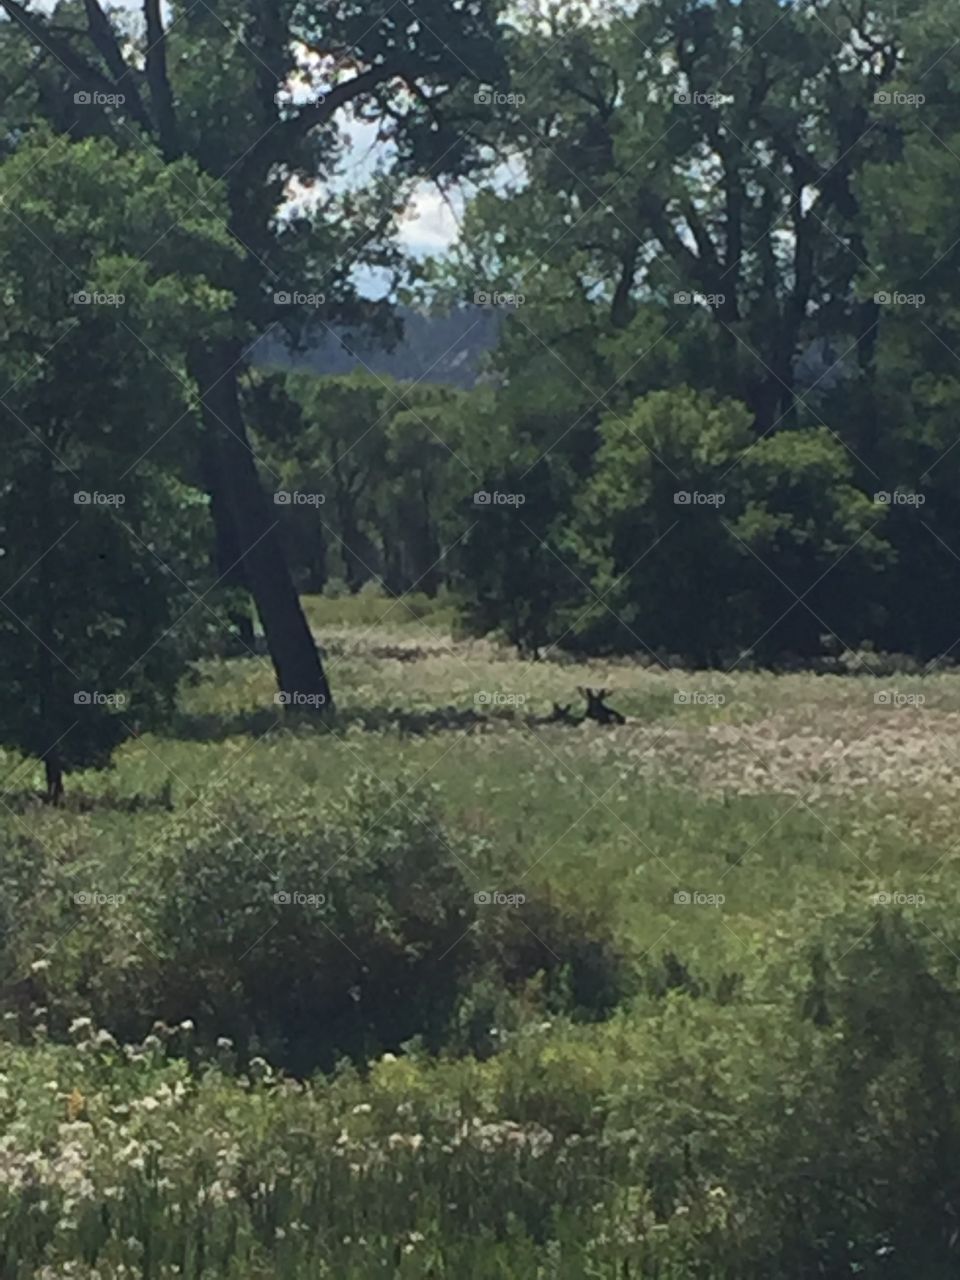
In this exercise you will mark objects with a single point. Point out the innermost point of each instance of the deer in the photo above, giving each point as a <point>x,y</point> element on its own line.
<point>597,709</point>
<point>561,715</point>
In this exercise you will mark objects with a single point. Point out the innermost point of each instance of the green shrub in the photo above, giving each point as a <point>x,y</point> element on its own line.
<point>310,937</point>
<point>313,938</point>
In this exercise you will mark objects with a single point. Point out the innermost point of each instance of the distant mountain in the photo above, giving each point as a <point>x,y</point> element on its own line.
<point>452,348</point>
<point>449,348</point>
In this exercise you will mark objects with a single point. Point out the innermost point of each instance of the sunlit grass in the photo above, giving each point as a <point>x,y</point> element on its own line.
<point>784,802</point>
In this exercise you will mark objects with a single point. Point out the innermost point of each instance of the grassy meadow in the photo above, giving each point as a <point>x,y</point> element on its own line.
<point>448,990</point>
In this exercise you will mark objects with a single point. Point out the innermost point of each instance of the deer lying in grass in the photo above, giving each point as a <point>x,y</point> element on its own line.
<point>597,709</point>
<point>561,715</point>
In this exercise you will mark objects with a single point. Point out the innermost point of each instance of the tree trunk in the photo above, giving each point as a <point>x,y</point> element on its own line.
<point>392,563</point>
<point>429,569</point>
<point>300,675</point>
<point>227,554</point>
<point>353,567</point>
<point>54,772</point>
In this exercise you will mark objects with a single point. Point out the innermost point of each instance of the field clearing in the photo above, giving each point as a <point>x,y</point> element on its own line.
<point>773,790</point>
<point>705,983</point>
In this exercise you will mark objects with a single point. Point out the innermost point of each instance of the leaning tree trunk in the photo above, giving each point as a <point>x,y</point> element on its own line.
<point>293,652</point>
<point>227,551</point>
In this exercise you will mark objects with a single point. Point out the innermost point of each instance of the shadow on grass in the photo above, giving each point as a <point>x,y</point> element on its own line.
<point>259,721</point>
<point>214,726</point>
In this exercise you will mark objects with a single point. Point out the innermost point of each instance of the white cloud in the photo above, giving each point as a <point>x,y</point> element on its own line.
<point>429,224</point>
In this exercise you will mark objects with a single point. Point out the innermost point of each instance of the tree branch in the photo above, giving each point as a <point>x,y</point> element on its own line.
<point>158,81</point>
<point>104,40</point>
<point>312,116</point>
<point>84,72</point>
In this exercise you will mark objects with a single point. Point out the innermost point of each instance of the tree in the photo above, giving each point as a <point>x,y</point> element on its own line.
<point>252,92</point>
<point>699,541</point>
<point>98,580</point>
<point>691,186</point>
<point>651,537</point>
<point>813,546</point>
<point>327,440</point>
<point>424,469</point>
<point>912,233</point>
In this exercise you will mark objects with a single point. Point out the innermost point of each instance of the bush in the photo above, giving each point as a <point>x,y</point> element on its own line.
<point>312,939</point>
<point>305,937</point>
